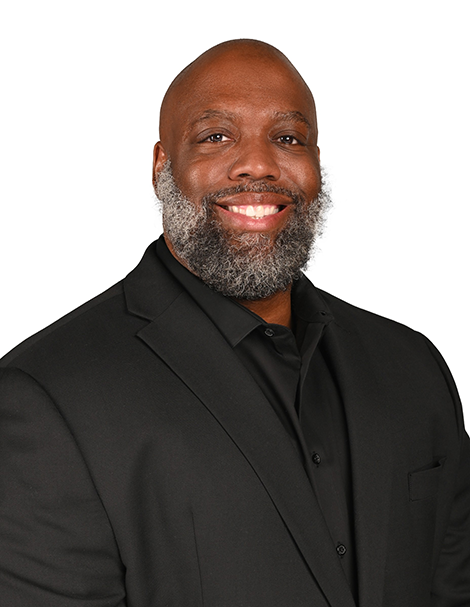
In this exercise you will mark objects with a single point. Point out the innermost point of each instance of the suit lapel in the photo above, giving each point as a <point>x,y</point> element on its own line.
<point>367,410</point>
<point>194,349</point>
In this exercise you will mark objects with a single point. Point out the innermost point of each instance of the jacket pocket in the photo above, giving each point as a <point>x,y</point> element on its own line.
<point>423,483</point>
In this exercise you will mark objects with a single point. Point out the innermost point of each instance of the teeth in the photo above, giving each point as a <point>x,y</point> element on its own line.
<point>255,211</point>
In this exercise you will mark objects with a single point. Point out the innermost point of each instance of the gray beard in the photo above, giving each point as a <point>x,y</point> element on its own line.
<point>247,265</point>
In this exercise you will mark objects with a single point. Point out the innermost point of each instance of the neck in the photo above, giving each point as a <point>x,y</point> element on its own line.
<point>275,309</point>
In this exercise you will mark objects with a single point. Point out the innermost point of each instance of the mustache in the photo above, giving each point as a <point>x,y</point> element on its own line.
<point>257,188</point>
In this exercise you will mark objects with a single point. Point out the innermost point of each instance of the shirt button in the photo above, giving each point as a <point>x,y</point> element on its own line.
<point>269,332</point>
<point>316,459</point>
<point>341,549</point>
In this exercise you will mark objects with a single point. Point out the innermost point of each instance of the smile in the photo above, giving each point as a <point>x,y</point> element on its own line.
<point>255,211</point>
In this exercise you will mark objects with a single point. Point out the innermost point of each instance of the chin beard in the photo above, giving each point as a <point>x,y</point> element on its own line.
<point>246,265</point>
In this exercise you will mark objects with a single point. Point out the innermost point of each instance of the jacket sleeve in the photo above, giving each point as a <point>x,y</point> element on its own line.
<point>57,547</point>
<point>451,582</point>
<point>451,579</point>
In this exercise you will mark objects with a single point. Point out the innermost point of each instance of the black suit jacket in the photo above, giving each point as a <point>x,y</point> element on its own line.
<point>141,465</point>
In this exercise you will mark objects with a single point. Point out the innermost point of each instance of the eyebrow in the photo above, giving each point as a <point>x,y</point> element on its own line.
<point>293,116</point>
<point>208,114</point>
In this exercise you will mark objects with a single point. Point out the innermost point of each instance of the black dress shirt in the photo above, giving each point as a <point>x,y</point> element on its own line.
<point>293,372</point>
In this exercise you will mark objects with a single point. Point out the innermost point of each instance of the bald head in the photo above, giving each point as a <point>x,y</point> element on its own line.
<point>241,61</point>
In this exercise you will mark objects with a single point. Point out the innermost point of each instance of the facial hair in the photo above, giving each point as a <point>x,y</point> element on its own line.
<point>243,265</point>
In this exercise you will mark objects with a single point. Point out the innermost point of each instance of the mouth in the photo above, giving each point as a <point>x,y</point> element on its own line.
<point>255,211</point>
<point>255,205</point>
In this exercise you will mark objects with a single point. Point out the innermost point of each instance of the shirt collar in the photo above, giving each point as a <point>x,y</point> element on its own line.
<point>307,302</point>
<point>232,319</point>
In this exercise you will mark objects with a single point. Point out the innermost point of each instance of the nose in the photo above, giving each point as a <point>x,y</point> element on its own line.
<point>254,160</point>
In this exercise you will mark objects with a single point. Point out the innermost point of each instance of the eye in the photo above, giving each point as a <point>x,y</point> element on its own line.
<point>289,140</point>
<point>216,138</point>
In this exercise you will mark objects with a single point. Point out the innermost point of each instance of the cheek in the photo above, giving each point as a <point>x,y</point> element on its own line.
<point>307,179</point>
<point>314,185</point>
<point>199,178</point>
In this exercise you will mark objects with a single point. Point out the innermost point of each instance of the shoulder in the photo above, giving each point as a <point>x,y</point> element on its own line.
<point>104,322</point>
<point>399,351</point>
<point>386,342</point>
<point>70,327</point>
<point>353,319</point>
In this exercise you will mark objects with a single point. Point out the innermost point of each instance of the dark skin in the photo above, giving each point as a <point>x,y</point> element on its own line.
<point>242,114</point>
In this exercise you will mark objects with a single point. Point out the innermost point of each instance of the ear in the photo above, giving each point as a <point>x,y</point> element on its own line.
<point>159,158</point>
<point>318,153</point>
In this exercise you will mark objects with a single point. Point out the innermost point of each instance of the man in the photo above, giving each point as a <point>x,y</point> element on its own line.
<point>214,430</point>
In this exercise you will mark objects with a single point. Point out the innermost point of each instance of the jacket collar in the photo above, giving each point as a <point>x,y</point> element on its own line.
<point>149,289</point>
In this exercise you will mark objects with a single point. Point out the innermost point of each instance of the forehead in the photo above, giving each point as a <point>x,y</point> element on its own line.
<point>241,84</point>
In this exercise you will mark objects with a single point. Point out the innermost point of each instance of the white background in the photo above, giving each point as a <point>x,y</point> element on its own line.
<point>81,88</point>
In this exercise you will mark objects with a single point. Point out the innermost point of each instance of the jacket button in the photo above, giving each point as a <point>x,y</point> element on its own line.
<point>341,549</point>
<point>316,459</point>
<point>269,332</point>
